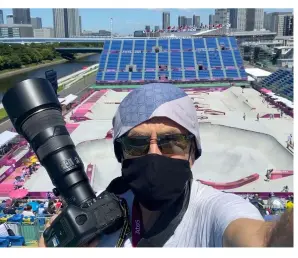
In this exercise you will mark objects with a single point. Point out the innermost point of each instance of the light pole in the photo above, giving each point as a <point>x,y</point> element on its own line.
<point>111,28</point>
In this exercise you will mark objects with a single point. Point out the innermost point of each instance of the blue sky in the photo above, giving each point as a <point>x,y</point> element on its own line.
<point>125,20</point>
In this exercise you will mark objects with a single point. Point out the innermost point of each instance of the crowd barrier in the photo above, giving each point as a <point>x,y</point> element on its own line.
<point>30,230</point>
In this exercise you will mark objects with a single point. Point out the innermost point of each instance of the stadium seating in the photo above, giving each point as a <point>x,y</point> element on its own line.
<point>188,59</point>
<point>280,82</point>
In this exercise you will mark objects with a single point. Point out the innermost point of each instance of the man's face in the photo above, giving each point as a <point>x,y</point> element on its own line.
<point>161,126</point>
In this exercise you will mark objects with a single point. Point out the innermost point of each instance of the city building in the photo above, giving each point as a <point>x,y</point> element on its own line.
<point>196,21</point>
<point>222,16</point>
<point>276,22</point>
<point>156,28</point>
<point>147,28</point>
<point>238,18</point>
<point>80,23</point>
<point>1,17</point>
<point>16,31</point>
<point>66,23</point>
<point>254,19</point>
<point>43,33</point>
<point>36,23</point>
<point>188,21</point>
<point>181,21</point>
<point>288,25</point>
<point>9,19</point>
<point>140,33</point>
<point>211,19</point>
<point>166,20</point>
<point>21,16</point>
<point>100,33</point>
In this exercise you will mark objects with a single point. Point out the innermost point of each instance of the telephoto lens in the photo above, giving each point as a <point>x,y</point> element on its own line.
<point>35,113</point>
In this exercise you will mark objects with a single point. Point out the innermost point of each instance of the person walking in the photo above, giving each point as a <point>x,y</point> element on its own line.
<point>258,117</point>
<point>244,116</point>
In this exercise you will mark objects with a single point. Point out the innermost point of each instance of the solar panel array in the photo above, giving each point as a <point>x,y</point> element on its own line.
<point>189,59</point>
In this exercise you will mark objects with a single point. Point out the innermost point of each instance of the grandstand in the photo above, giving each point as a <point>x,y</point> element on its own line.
<point>280,82</point>
<point>170,60</point>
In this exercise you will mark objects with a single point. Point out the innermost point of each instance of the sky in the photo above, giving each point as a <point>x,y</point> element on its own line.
<point>125,21</point>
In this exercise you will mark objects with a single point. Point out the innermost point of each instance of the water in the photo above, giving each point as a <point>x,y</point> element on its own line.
<point>62,70</point>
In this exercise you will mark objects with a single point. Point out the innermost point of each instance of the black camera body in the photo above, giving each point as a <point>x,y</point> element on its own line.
<point>35,113</point>
<point>76,226</point>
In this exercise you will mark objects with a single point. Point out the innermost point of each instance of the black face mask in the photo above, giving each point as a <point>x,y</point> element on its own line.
<point>156,181</point>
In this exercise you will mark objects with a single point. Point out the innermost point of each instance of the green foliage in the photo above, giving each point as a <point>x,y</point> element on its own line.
<point>17,55</point>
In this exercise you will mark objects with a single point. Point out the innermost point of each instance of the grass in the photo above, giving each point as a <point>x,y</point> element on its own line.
<point>3,113</point>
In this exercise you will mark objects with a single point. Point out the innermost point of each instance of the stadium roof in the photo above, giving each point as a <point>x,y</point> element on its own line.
<point>6,137</point>
<point>257,72</point>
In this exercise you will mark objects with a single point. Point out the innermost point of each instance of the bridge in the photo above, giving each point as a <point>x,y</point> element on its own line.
<point>67,52</point>
<point>62,40</point>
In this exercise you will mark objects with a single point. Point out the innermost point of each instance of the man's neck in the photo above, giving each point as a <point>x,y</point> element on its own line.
<point>149,217</point>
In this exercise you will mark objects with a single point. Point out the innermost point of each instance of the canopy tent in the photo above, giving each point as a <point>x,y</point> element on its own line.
<point>6,137</point>
<point>285,101</point>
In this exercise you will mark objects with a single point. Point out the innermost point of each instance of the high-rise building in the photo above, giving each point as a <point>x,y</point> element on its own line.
<point>211,19</point>
<point>36,23</point>
<point>166,20</point>
<point>1,17</point>
<point>156,28</point>
<point>288,25</point>
<point>182,21</point>
<point>238,19</point>
<point>66,23</point>
<point>21,16</point>
<point>276,22</point>
<point>147,28</point>
<point>196,21</point>
<point>9,19</point>
<point>188,21</point>
<point>80,23</point>
<point>43,33</point>
<point>254,19</point>
<point>222,16</point>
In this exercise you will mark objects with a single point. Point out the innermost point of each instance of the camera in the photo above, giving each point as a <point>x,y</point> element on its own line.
<point>35,113</point>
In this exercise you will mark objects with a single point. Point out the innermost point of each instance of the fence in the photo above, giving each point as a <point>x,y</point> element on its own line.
<point>31,230</point>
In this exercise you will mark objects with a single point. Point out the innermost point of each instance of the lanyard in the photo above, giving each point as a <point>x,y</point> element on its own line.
<point>137,224</point>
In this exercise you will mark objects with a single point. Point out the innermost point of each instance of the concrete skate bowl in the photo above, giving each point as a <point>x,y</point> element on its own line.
<point>232,154</point>
<point>101,153</point>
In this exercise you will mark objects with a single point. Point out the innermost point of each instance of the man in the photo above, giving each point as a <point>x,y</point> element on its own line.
<point>156,139</point>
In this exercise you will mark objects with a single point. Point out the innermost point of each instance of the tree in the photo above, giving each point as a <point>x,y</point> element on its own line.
<point>15,61</point>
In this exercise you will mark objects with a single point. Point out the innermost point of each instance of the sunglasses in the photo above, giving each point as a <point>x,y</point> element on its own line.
<point>171,144</point>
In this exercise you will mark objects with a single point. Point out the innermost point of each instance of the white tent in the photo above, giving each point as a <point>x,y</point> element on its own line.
<point>6,137</point>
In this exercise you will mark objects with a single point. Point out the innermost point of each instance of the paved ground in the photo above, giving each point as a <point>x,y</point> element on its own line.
<point>232,148</point>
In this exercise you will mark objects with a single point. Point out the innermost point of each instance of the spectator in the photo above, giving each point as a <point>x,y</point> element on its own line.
<point>28,211</point>
<point>41,209</point>
<point>157,148</point>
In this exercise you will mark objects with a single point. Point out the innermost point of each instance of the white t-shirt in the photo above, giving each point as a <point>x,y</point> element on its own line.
<point>28,213</point>
<point>209,213</point>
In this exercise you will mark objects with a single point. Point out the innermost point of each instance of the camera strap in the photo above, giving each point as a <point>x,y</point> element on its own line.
<point>126,229</point>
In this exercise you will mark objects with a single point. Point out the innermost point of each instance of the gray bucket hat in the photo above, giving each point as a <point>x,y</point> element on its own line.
<point>155,100</point>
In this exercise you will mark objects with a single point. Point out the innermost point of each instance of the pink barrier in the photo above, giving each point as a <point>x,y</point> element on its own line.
<point>268,116</point>
<point>277,174</point>
<point>71,127</point>
<point>231,185</point>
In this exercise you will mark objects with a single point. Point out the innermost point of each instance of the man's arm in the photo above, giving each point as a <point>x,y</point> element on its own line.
<point>256,233</point>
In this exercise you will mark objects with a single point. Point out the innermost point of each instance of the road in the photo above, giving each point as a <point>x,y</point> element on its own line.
<point>78,88</point>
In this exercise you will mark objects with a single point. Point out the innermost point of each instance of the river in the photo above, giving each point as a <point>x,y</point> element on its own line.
<point>62,70</point>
